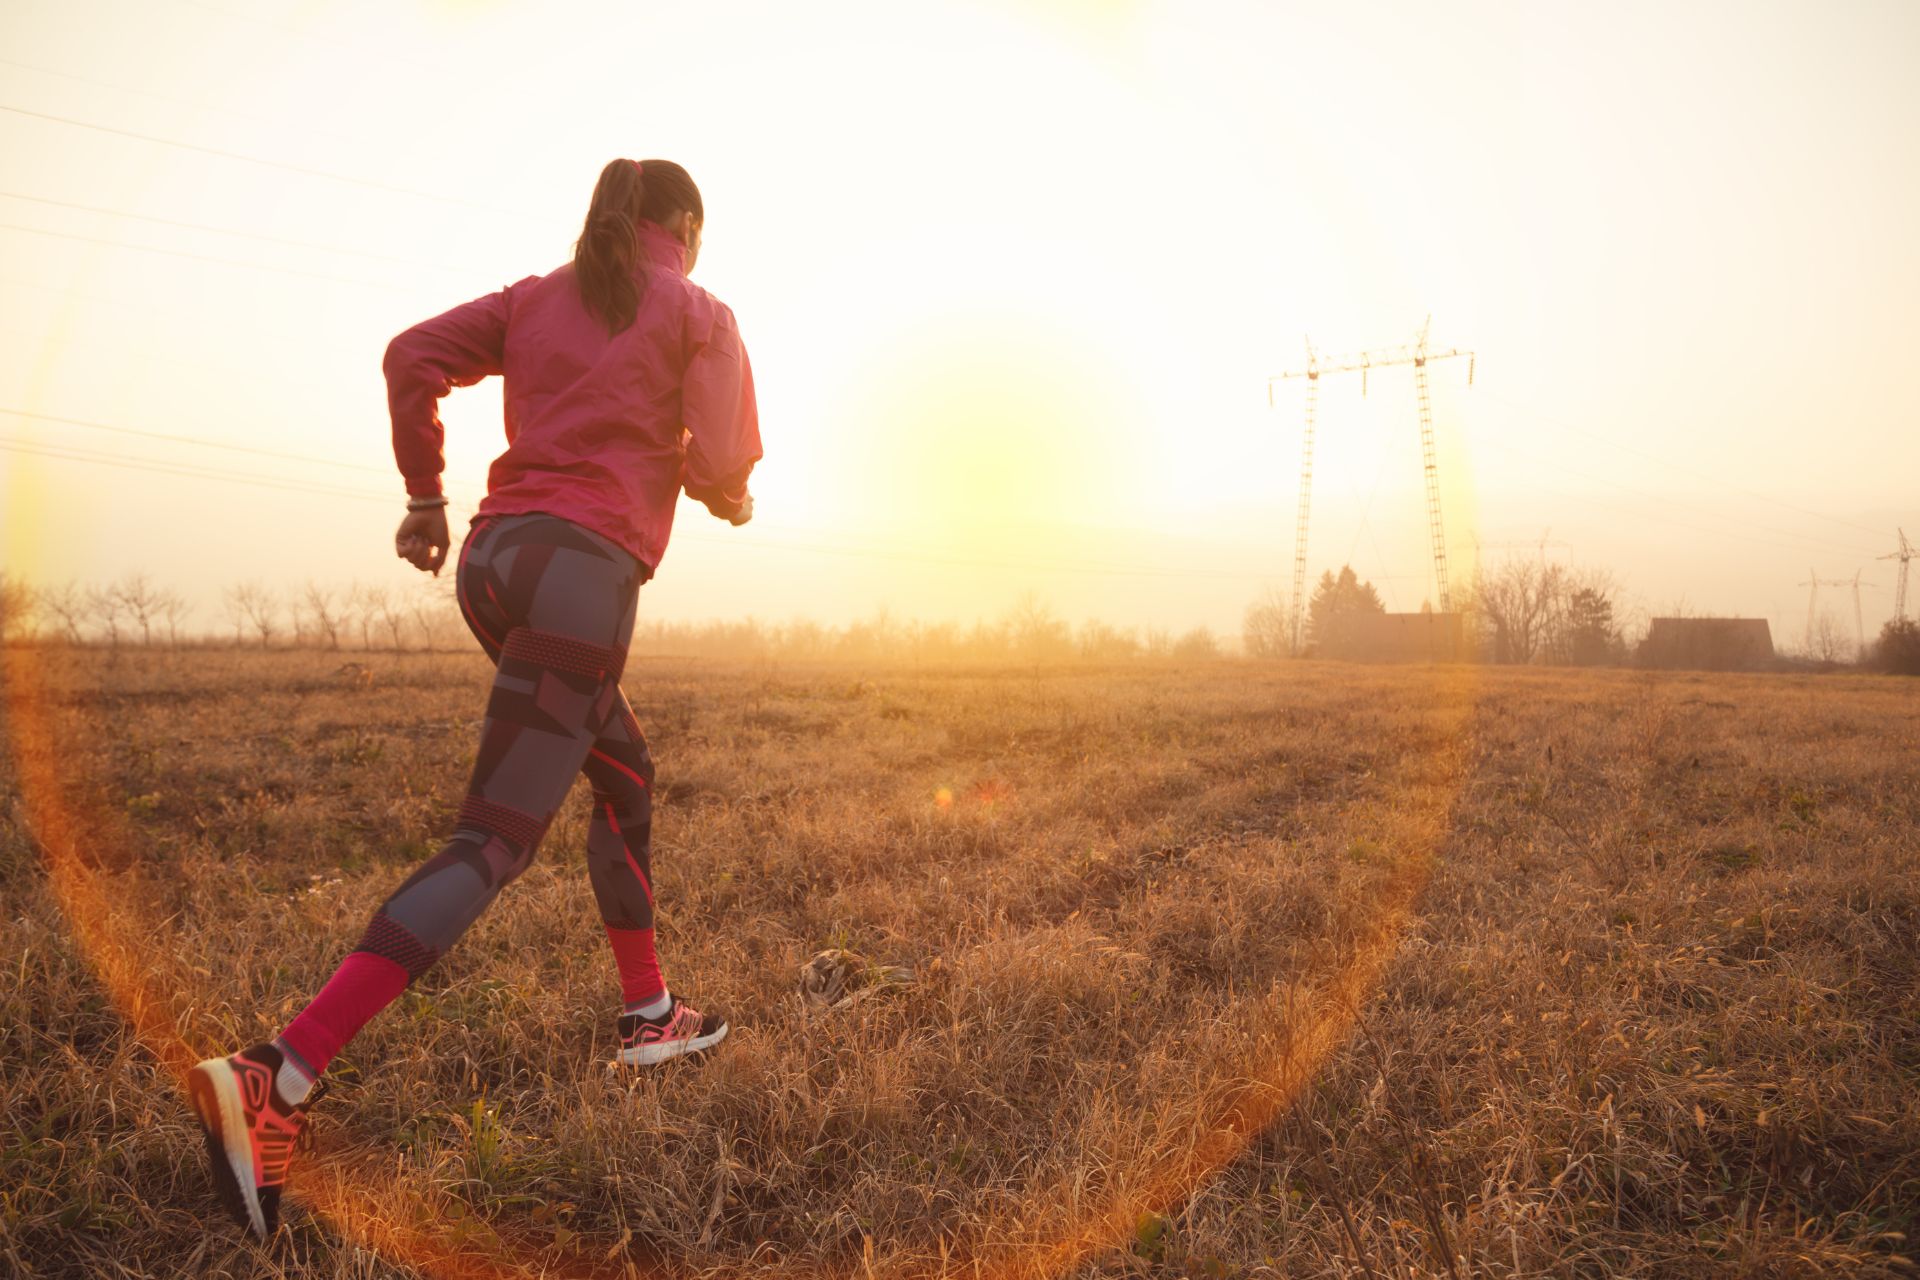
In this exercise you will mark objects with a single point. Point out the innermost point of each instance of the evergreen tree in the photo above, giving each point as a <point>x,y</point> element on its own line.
<point>1337,597</point>
<point>1590,631</point>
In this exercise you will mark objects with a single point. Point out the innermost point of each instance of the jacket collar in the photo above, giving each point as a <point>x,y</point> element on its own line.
<point>659,248</point>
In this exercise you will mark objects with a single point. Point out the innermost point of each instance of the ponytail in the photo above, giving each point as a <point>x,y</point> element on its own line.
<point>629,192</point>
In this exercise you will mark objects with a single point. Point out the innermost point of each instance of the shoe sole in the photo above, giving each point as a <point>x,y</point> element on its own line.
<point>215,1096</point>
<point>647,1054</point>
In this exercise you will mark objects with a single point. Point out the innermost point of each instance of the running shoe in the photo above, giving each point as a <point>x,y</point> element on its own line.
<point>682,1029</point>
<point>250,1132</point>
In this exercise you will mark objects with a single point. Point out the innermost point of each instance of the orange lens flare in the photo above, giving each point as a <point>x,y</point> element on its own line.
<point>364,1202</point>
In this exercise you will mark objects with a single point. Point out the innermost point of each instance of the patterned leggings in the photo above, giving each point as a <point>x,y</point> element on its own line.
<point>553,604</point>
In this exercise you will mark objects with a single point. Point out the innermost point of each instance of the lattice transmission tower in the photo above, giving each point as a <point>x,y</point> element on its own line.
<point>1417,354</point>
<point>1906,552</point>
<point>1813,584</point>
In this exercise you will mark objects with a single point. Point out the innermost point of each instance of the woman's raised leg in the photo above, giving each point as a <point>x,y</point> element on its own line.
<point>569,597</point>
<point>566,599</point>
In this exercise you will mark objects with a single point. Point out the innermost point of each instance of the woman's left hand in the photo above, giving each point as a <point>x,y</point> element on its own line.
<point>423,540</point>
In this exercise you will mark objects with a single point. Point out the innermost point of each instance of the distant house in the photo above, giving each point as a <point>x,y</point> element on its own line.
<point>1708,644</point>
<point>1365,636</point>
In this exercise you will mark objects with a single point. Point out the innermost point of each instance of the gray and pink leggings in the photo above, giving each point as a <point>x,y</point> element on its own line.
<point>553,605</point>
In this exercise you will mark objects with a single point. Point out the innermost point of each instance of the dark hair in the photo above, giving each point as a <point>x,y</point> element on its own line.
<point>603,257</point>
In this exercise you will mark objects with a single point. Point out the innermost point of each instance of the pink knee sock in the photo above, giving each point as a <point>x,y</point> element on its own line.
<point>640,980</point>
<point>362,986</point>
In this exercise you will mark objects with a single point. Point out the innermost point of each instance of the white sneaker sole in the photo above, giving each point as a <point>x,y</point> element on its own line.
<point>215,1095</point>
<point>646,1055</point>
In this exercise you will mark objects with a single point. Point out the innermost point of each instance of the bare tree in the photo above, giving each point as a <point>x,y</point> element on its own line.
<point>392,612</point>
<point>19,602</point>
<point>1829,641</point>
<point>868,637</point>
<point>988,639</point>
<point>1037,632</point>
<point>231,610</point>
<point>1197,645</point>
<point>1101,642</point>
<point>68,603</point>
<point>804,638</point>
<point>323,610</point>
<point>173,607</point>
<point>1521,601</point>
<point>257,604</point>
<point>1583,627</point>
<point>359,611</point>
<point>926,641</point>
<point>433,610</point>
<point>1267,629</point>
<point>141,601</point>
<point>104,606</point>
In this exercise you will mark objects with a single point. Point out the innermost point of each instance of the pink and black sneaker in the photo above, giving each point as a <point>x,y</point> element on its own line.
<point>250,1131</point>
<point>682,1029</point>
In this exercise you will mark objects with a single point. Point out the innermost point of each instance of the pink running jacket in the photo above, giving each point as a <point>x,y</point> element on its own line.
<point>604,431</point>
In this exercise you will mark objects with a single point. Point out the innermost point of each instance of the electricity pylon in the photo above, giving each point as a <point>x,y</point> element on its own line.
<point>1813,584</point>
<point>1906,552</point>
<point>1416,354</point>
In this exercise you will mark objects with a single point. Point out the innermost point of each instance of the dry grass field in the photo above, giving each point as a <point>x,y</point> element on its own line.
<point>1223,970</point>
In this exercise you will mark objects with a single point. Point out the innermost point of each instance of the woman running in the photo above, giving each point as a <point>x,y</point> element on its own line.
<point>624,383</point>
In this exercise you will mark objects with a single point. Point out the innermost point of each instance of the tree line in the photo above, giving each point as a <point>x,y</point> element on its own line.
<point>1531,610</point>
<point>136,611</point>
<point>1521,611</point>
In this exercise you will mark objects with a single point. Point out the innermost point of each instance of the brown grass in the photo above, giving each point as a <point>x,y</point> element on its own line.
<point>1226,969</point>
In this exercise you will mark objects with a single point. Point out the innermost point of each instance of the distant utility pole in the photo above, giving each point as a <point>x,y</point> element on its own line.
<point>1903,555</point>
<point>1362,362</point>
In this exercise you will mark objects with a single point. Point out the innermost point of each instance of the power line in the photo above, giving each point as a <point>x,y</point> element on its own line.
<point>308,35</point>
<point>190,471</point>
<point>200,472</point>
<point>251,117</point>
<point>131,304</point>
<point>1686,470</point>
<point>234,231</point>
<point>207,257</point>
<point>202,443</point>
<point>970,562</point>
<point>197,471</point>
<point>310,379</point>
<point>327,174</point>
<point>121,88</point>
<point>1661,504</point>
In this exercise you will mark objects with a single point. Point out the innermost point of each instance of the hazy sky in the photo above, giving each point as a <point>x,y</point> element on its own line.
<point>1013,277</point>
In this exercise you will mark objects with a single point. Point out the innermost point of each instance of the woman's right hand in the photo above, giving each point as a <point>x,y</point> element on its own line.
<point>423,541</point>
<point>744,514</point>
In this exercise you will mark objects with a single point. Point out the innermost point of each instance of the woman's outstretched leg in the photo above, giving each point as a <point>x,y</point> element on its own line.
<point>564,602</point>
<point>560,601</point>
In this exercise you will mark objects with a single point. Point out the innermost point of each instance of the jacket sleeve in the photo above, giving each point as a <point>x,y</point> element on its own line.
<point>454,349</point>
<point>718,410</point>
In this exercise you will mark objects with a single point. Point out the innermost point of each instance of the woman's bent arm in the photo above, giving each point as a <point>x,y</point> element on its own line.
<point>718,409</point>
<point>454,349</point>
